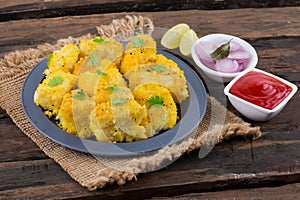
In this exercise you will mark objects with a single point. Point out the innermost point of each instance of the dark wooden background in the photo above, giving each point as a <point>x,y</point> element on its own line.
<point>24,9</point>
<point>237,168</point>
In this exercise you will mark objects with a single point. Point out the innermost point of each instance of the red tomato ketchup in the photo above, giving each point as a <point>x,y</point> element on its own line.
<point>260,89</point>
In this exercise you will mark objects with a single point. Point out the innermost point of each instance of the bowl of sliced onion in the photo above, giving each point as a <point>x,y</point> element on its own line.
<point>222,57</point>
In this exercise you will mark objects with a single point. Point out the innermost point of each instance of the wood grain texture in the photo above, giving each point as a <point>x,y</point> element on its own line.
<point>231,164</point>
<point>23,34</point>
<point>287,192</point>
<point>12,10</point>
<point>237,168</point>
<point>14,145</point>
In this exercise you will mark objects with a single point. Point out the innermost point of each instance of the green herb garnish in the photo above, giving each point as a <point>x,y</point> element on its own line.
<point>159,67</point>
<point>221,52</point>
<point>93,61</point>
<point>99,40</point>
<point>113,88</point>
<point>79,95</point>
<point>156,100</point>
<point>138,42</point>
<point>117,101</point>
<point>49,57</point>
<point>55,81</point>
<point>99,72</point>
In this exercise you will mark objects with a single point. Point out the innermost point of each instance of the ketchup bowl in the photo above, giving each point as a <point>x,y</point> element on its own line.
<point>259,95</point>
<point>241,56</point>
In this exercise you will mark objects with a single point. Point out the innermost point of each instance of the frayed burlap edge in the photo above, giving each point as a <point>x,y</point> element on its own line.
<point>84,168</point>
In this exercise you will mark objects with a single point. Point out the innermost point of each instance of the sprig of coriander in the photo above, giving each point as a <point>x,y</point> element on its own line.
<point>49,57</point>
<point>93,61</point>
<point>113,88</point>
<point>55,81</point>
<point>79,95</point>
<point>221,52</point>
<point>99,72</point>
<point>138,42</point>
<point>117,101</point>
<point>99,40</point>
<point>159,67</point>
<point>156,100</point>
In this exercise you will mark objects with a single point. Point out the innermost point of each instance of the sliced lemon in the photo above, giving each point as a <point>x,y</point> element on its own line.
<point>172,37</point>
<point>187,41</point>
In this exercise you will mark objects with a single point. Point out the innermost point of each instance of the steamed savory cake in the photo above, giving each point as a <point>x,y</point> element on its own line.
<point>103,125</point>
<point>73,114</point>
<point>51,91</point>
<point>145,92</point>
<point>63,59</point>
<point>137,52</point>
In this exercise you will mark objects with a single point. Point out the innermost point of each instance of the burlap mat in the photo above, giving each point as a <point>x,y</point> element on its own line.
<point>84,168</point>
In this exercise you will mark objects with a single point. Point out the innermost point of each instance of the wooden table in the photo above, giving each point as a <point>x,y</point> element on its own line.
<point>238,168</point>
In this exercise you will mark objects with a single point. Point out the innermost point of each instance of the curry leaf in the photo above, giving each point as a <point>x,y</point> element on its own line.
<point>221,52</point>
<point>55,81</point>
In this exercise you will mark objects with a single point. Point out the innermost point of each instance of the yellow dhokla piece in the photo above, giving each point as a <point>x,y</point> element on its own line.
<point>160,59</point>
<point>73,114</point>
<point>159,74</point>
<point>103,125</point>
<point>145,92</point>
<point>138,51</point>
<point>108,79</point>
<point>49,96</point>
<point>64,59</point>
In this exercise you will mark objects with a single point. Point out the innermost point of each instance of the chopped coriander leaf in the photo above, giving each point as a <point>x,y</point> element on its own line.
<point>159,67</point>
<point>99,72</point>
<point>55,81</point>
<point>79,95</point>
<point>221,52</point>
<point>138,42</point>
<point>156,100</point>
<point>117,101</point>
<point>98,40</point>
<point>113,88</point>
<point>49,57</point>
<point>93,61</point>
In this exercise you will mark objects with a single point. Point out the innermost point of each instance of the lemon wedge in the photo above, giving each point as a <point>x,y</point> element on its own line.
<point>187,41</point>
<point>171,39</point>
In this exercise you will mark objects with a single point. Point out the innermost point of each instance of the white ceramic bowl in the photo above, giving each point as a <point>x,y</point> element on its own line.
<point>252,111</point>
<point>217,38</point>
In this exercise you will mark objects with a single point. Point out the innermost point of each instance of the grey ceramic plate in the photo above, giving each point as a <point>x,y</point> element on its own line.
<point>192,111</point>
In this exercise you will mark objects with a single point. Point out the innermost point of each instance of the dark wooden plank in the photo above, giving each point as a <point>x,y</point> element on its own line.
<point>57,191</point>
<point>23,34</point>
<point>12,10</point>
<point>15,145</point>
<point>3,114</point>
<point>287,192</point>
<point>31,173</point>
<point>231,165</point>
